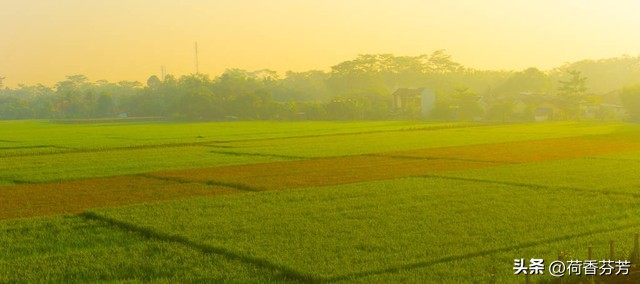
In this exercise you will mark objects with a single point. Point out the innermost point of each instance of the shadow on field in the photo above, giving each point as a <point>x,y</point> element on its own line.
<point>286,272</point>
<point>292,274</point>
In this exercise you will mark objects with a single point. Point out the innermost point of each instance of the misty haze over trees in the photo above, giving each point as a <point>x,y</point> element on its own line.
<point>361,88</point>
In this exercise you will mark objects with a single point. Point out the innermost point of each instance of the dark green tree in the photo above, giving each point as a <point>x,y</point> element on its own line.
<point>571,93</point>
<point>466,105</point>
<point>104,105</point>
<point>530,80</point>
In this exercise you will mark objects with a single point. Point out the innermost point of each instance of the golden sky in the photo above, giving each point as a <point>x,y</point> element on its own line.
<point>42,41</point>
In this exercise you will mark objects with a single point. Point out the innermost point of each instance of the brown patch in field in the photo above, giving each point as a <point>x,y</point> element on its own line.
<point>319,172</point>
<point>24,201</point>
<point>389,165</point>
<point>21,201</point>
<point>528,151</point>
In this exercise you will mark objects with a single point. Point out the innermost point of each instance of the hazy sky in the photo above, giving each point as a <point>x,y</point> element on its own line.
<point>42,41</point>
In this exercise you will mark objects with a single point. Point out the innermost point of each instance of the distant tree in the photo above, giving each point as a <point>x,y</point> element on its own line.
<point>359,88</point>
<point>360,75</point>
<point>303,86</point>
<point>571,92</point>
<point>576,86</point>
<point>344,109</point>
<point>266,75</point>
<point>12,107</point>
<point>630,97</point>
<point>440,62</point>
<point>606,75</point>
<point>314,111</point>
<point>153,81</point>
<point>104,105</point>
<point>197,99</point>
<point>529,80</point>
<point>42,100</point>
<point>466,105</point>
<point>130,84</point>
<point>501,110</point>
<point>236,82</point>
<point>75,80</point>
<point>70,100</point>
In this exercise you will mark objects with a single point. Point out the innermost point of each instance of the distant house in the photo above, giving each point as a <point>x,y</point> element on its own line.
<point>545,112</point>
<point>614,110</point>
<point>546,107</point>
<point>542,106</point>
<point>408,101</point>
<point>606,106</point>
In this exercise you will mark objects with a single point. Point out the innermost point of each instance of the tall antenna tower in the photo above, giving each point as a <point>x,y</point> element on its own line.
<point>197,67</point>
<point>162,72</point>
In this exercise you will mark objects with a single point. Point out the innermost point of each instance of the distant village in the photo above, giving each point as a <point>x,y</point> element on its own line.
<point>413,102</point>
<point>369,87</point>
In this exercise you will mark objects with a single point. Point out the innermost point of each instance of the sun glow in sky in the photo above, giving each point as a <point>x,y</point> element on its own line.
<point>42,41</point>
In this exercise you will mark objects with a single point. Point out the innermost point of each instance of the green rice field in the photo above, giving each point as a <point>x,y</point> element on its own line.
<point>313,202</point>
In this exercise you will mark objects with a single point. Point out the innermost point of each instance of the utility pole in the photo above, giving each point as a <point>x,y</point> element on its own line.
<point>197,67</point>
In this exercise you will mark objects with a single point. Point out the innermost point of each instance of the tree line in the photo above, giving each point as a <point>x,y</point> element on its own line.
<point>352,90</point>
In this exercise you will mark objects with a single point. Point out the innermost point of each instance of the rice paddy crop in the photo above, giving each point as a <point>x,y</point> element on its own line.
<point>70,249</point>
<point>497,266</point>
<point>528,151</point>
<point>29,200</point>
<point>365,143</point>
<point>94,164</point>
<point>35,134</point>
<point>586,174</point>
<point>343,202</point>
<point>318,172</point>
<point>336,232</point>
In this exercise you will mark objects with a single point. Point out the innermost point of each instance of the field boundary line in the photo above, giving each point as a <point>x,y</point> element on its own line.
<point>612,159</point>
<point>34,147</point>
<point>237,186</point>
<point>477,254</point>
<point>442,127</point>
<point>96,150</point>
<point>258,155</point>
<point>19,182</point>
<point>149,233</point>
<point>382,155</point>
<point>533,185</point>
